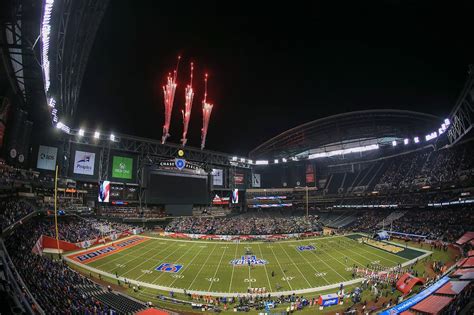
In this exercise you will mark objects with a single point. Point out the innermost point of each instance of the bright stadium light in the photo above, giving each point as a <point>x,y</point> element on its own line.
<point>52,102</point>
<point>440,131</point>
<point>295,158</point>
<point>447,122</point>
<point>284,160</point>
<point>416,139</point>
<point>344,151</point>
<point>406,141</point>
<point>261,162</point>
<point>97,135</point>
<point>81,132</point>
<point>45,37</point>
<point>394,143</point>
<point>234,158</point>
<point>112,137</point>
<point>250,161</point>
<point>242,160</point>
<point>431,136</point>
<point>59,125</point>
<point>275,161</point>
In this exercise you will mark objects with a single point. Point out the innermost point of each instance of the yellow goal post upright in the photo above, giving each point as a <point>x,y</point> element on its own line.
<point>56,209</point>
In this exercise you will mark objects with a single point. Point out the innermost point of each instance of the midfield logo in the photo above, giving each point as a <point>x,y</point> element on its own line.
<point>248,260</point>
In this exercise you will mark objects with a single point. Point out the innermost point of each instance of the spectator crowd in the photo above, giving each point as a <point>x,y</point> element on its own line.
<point>245,225</point>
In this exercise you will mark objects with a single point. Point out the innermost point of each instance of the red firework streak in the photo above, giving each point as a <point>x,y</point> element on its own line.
<point>206,115</point>
<point>169,89</point>
<point>188,105</point>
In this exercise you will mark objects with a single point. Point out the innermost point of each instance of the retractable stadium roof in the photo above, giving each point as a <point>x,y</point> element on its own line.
<point>345,128</point>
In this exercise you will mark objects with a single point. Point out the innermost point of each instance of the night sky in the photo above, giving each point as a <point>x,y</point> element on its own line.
<point>272,67</point>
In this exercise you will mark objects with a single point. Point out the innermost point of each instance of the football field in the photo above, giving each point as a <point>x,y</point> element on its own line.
<point>228,267</point>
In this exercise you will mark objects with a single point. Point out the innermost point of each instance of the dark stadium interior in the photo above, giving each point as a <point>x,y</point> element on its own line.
<point>212,157</point>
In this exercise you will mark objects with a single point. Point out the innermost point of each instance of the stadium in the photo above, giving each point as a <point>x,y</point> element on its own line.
<point>188,208</point>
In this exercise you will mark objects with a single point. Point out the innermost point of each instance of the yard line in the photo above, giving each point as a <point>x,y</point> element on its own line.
<point>162,273</point>
<point>296,266</point>
<point>140,256</point>
<point>369,252</point>
<point>328,265</point>
<point>124,253</point>
<point>233,267</point>
<point>265,266</point>
<point>190,264</point>
<point>130,253</point>
<point>309,263</point>
<point>215,273</point>
<point>363,248</point>
<point>197,274</point>
<point>350,257</point>
<point>284,275</point>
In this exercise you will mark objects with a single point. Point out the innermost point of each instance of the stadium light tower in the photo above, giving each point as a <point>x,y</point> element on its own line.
<point>169,90</point>
<point>206,115</point>
<point>188,105</point>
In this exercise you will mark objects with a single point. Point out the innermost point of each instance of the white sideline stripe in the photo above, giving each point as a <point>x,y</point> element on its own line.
<point>217,294</point>
<point>228,294</point>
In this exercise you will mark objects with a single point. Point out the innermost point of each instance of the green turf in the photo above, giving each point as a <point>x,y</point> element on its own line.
<point>207,267</point>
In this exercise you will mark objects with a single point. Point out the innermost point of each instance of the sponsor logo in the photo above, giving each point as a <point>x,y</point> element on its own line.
<point>96,253</point>
<point>47,157</point>
<point>248,260</point>
<point>84,163</point>
<point>330,302</point>
<point>180,164</point>
<point>44,156</point>
<point>106,250</point>
<point>167,267</point>
<point>305,248</point>
<point>122,167</point>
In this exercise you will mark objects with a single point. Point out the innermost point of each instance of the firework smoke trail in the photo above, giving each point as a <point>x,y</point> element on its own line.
<point>169,90</point>
<point>206,115</point>
<point>188,105</point>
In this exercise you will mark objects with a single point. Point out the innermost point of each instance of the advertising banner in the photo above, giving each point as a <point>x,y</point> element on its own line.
<point>217,177</point>
<point>47,158</point>
<point>256,180</point>
<point>84,163</point>
<point>239,178</point>
<point>122,167</point>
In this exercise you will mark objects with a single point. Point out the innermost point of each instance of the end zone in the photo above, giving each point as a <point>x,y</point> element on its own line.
<point>97,253</point>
